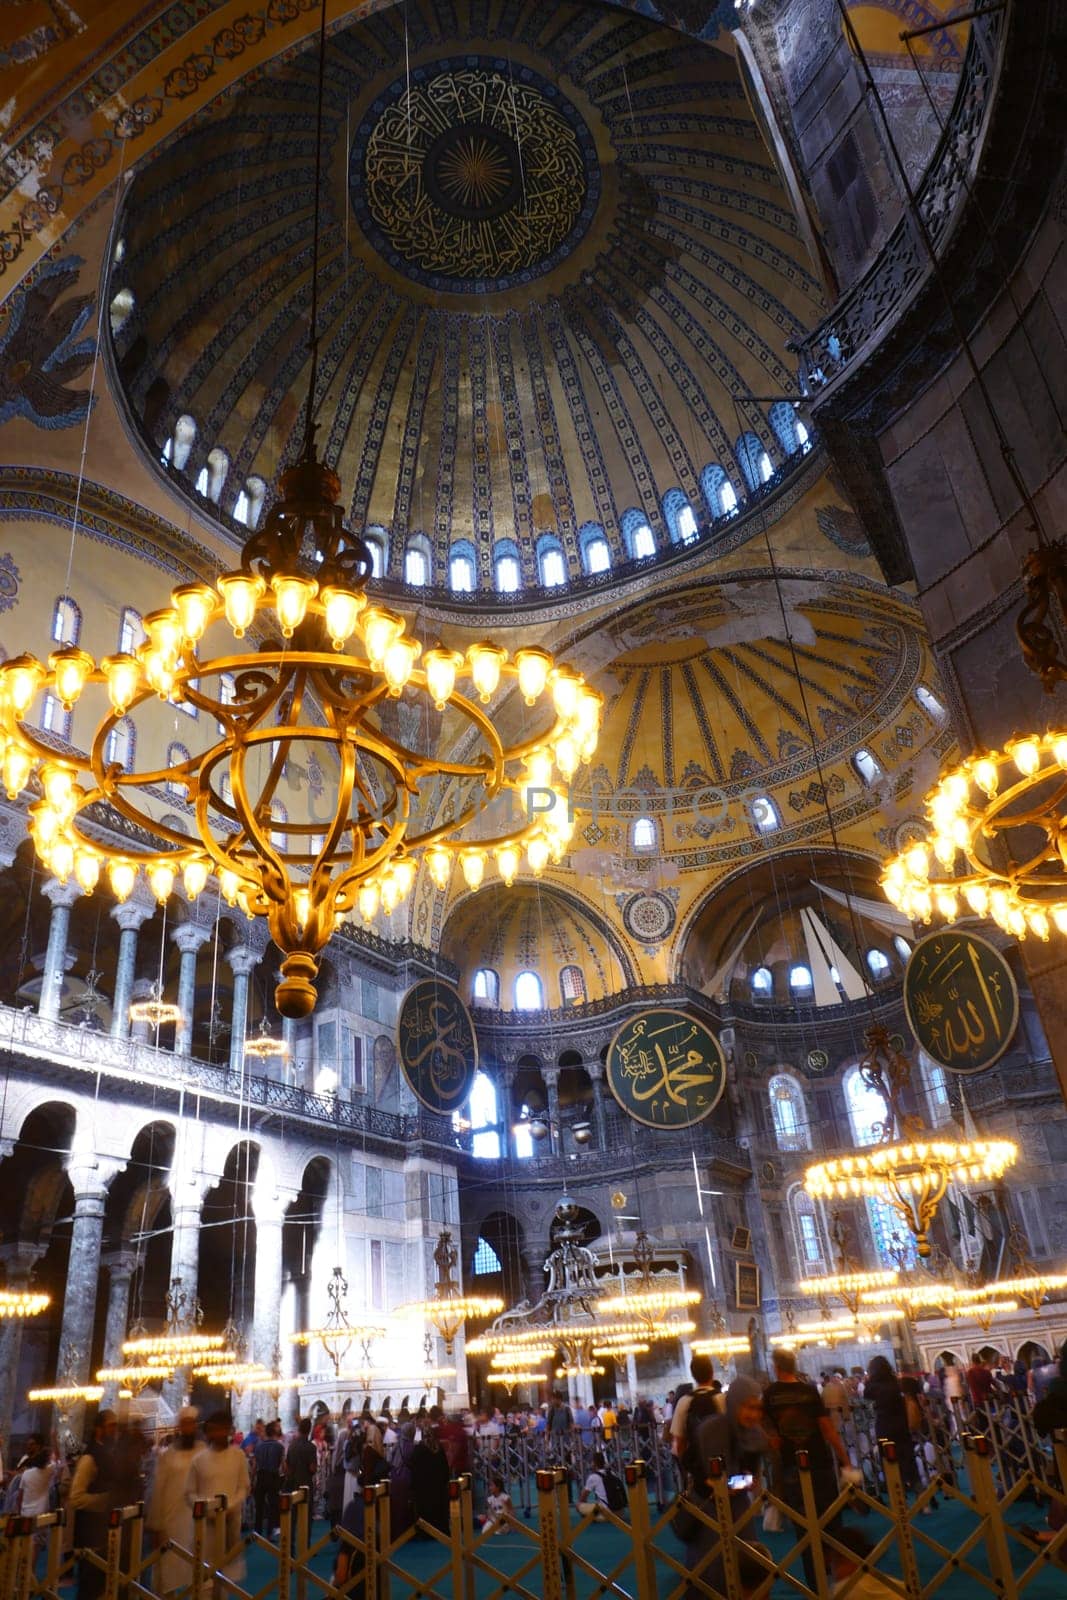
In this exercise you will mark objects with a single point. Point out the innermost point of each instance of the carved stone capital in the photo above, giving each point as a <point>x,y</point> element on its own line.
<point>243,959</point>
<point>132,913</point>
<point>189,936</point>
<point>61,894</point>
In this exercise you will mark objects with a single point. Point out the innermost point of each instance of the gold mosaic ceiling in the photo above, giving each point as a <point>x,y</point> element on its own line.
<point>556,261</point>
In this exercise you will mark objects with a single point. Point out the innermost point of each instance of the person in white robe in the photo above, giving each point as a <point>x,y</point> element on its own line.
<point>169,1515</point>
<point>221,1469</point>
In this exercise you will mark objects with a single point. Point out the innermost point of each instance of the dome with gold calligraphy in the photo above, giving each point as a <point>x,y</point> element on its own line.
<point>557,259</point>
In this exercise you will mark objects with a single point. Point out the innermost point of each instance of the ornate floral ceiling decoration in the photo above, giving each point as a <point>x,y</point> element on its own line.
<point>479,380</point>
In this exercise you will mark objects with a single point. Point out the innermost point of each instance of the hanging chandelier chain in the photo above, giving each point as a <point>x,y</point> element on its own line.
<point>308,453</point>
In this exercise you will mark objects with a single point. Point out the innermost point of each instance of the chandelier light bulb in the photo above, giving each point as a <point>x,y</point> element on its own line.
<point>71,667</point>
<point>123,673</point>
<point>122,875</point>
<point>58,785</point>
<point>439,866</point>
<point>508,859</point>
<point>986,775</point>
<point>367,900</point>
<point>159,670</point>
<point>61,859</point>
<point>533,666</point>
<point>87,870</point>
<point>164,631</point>
<point>389,892</point>
<point>399,663</point>
<point>241,593</point>
<point>441,667</point>
<point>567,757</point>
<point>194,877</point>
<point>342,608</point>
<point>1026,753</point>
<point>44,821</point>
<point>380,628</point>
<point>21,678</point>
<point>229,883</point>
<point>472,864</point>
<point>161,881</point>
<point>18,764</point>
<point>403,871</point>
<point>539,769</point>
<point>301,907</point>
<point>292,596</point>
<point>195,605</point>
<point>486,661</point>
<point>537,854</point>
<point>566,684</point>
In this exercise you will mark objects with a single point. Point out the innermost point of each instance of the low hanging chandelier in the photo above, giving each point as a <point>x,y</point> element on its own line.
<point>911,1167</point>
<point>450,1309</point>
<point>850,1281</point>
<point>156,1011</point>
<point>287,664</point>
<point>337,1334</point>
<point>23,1303</point>
<point>265,1046</point>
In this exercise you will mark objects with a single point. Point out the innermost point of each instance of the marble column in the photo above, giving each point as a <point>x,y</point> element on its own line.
<point>290,1066</point>
<point>184,1267</point>
<point>555,1132</point>
<point>242,961</point>
<point>19,1260</point>
<point>188,936</point>
<point>595,1069</point>
<point>129,916</point>
<point>266,1319</point>
<point>121,1266</point>
<point>83,1277</point>
<point>62,896</point>
<point>143,1031</point>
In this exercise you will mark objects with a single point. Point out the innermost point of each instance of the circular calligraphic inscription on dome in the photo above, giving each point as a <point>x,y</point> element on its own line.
<point>665,1069</point>
<point>649,917</point>
<point>476,176</point>
<point>437,1046</point>
<point>961,1000</point>
<point>817,1061</point>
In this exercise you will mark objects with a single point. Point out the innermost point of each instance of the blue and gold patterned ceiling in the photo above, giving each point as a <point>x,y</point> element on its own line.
<point>557,258</point>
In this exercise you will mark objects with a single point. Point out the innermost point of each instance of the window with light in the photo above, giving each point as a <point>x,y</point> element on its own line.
<point>485,989</point>
<point>484,1119</point>
<point>789,1113</point>
<point>643,834</point>
<point>529,995</point>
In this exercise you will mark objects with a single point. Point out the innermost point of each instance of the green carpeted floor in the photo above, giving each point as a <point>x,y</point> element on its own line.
<point>604,1547</point>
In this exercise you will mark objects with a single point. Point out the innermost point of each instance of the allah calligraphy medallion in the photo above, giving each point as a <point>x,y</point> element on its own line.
<point>665,1069</point>
<point>437,1046</point>
<point>961,1000</point>
<point>474,176</point>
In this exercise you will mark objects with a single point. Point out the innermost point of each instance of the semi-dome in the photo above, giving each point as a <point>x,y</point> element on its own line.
<point>533,948</point>
<point>555,266</point>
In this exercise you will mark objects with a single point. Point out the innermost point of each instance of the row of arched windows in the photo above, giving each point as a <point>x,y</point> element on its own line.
<point>212,476</point>
<point>800,979</point>
<point>529,992</point>
<point>639,541</point>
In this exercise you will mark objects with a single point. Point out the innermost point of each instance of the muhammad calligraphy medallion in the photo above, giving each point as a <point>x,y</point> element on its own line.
<point>437,1046</point>
<point>473,175</point>
<point>666,1070</point>
<point>961,1000</point>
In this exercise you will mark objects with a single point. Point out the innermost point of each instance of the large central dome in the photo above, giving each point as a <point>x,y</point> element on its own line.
<point>556,267</point>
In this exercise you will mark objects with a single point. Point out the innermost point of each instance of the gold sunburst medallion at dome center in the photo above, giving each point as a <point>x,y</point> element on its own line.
<point>470,177</point>
<point>474,173</point>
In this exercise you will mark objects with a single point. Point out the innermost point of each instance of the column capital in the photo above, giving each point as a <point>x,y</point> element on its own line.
<point>20,1257</point>
<point>243,959</point>
<point>89,1178</point>
<point>189,936</point>
<point>595,1070</point>
<point>551,1076</point>
<point>61,894</point>
<point>121,1263</point>
<point>131,914</point>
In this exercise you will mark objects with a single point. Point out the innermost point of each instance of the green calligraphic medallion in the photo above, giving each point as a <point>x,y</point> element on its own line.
<point>666,1070</point>
<point>961,999</point>
<point>437,1046</point>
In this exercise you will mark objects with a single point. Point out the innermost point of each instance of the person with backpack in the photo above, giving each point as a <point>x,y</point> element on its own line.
<point>690,1410</point>
<point>601,1489</point>
<point>736,1437</point>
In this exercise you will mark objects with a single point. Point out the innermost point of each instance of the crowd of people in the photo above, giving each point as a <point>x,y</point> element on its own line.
<point>761,1430</point>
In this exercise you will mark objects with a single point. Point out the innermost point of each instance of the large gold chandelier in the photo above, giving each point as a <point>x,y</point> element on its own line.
<point>292,675</point>
<point>996,846</point>
<point>327,666</point>
<point>911,1167</point>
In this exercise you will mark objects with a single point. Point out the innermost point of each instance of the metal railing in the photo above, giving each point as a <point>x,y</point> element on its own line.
<point>862,314</point>
<point>738,1546</point>
<point>25,1035</point>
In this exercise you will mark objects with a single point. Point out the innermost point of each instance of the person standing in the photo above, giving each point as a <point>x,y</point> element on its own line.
<point>221,1469</point>
<point>429,1480</point>
<point>797,1419</point>
<point>979,1384</point>
<point>301,1464</point>
<point>94,1493</point>
<point>737,1437</point>
<point>269,1457</point>
<point>891,1418</point>
<point>691,1409</point>
<point>169,1515</point>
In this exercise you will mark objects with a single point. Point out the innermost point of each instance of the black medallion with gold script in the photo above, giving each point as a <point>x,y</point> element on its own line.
<point>665,1069</point>
<point>961,1000</point>
<point>437,1046</point>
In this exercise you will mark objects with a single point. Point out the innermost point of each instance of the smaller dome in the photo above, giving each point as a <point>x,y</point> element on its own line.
<point>806,931</point>
<point>532,948</point>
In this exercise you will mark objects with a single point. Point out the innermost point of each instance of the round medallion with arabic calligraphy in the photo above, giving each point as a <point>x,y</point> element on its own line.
<point>666,1069</point>
<point>961,1000</point>
<point>473,175</point>
<point>437,1046</point>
